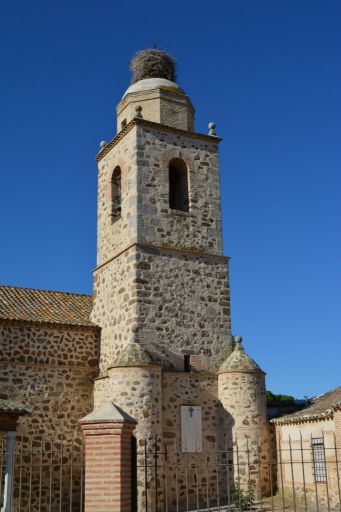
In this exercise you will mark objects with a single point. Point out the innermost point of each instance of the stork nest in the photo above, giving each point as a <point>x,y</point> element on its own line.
<point>152,63</point>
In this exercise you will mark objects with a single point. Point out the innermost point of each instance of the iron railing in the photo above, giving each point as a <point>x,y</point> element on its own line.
<point>47,475</point>
<point>243,476</point>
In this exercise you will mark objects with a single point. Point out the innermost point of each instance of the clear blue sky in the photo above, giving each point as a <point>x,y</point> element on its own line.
<point>269,73</point>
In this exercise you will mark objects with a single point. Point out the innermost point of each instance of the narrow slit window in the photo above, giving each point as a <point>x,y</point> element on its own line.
<point>319,459</point>
<point>187,363</point>
<point>116,194</point>
<point>178,185</point>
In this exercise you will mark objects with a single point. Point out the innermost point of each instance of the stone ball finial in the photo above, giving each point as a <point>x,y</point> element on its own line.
<point>211,127</point>
<point>152,63</point>
<point>239,344</point>
<point>138,110</point>
<point>102,144</point>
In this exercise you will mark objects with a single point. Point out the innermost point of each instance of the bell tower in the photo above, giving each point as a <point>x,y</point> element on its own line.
<point>161,289</point>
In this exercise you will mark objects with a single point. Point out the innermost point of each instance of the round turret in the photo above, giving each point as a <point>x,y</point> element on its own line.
<point>241,390</point>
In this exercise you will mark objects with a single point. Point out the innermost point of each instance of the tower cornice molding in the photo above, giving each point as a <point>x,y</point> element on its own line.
<point>165,249</point>
<point>157,126</point>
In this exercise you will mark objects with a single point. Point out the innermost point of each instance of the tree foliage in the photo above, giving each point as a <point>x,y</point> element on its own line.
<point>272,397</point>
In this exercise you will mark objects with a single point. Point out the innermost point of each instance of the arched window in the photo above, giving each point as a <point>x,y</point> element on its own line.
<point>116,194</point>
<point>178,185</point>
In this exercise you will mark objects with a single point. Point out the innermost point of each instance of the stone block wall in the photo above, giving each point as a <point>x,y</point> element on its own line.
<point>183,307</point>
<point>115,307</point>
<point>51,369</point>
<point>242,394</point>
<point>199,229</point>
<point>172,303</point>
<point>144,153</point>
<point>114,237</point>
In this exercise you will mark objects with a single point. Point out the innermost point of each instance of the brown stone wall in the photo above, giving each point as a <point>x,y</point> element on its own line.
<point>242,394</point>
<point>191,479</point>
<point>183,307</point>
<point>143,155</point>
<point>138,391</point>
<point>115,307</point>
<point>200,228</point>
<point>51,369</point>
<point>114,237</point>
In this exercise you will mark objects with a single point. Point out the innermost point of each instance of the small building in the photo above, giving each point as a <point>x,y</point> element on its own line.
<point>309,451</point>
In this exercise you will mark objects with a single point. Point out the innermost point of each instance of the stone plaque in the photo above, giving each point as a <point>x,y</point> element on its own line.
<point>191,429</point>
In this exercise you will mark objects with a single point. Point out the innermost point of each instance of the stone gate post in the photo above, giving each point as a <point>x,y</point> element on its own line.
<point>108,462</point>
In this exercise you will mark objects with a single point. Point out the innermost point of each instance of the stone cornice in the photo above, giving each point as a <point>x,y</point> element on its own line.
<point>47,324</point>
<point>165,249</point>
<point>156,126</point>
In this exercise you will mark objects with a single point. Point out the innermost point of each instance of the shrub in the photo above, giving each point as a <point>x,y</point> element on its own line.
<point>242,500</point>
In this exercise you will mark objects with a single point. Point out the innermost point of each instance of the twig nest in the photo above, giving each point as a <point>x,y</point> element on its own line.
<point>152,63</point>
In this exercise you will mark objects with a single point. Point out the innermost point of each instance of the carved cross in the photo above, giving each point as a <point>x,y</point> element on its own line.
<point>191,411</point>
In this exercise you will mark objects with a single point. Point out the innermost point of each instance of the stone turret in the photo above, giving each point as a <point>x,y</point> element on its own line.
<point>241,390</point>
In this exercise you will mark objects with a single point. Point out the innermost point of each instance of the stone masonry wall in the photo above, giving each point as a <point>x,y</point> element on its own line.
<point>115,307</point>
<point>172,303</point>
<point>114,237</point>
<point>143,155</point>
<point>242,395</point>
<point>183,307</point>
<point>200,228</point>
<point>51,369</point>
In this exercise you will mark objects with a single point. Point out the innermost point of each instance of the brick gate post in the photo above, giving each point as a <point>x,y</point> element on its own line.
<point>108,462</point>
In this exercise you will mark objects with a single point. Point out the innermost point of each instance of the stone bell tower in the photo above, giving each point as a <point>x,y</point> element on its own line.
<point>161,290</point>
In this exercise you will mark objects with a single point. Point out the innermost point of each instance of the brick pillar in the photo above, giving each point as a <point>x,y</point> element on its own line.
<point>108,440</point>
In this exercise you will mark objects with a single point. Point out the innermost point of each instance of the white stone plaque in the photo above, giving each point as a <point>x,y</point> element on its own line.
<point>191,429</point>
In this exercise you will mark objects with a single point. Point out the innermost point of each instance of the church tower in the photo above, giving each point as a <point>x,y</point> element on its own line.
<point>161,290</point>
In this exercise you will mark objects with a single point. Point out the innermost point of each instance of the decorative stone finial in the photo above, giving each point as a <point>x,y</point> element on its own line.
<point>152,63</point>
<point>138,110</point>
<point>211,126</point>
<point>239,345</point>
<point>102,144</point>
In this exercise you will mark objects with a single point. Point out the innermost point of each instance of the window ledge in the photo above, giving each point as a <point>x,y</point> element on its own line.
<point>179,212</point>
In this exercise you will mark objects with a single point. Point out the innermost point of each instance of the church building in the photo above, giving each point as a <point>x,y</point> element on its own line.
<point>154,339</point>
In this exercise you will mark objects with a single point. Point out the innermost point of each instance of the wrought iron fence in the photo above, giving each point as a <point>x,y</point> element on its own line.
<point>41,475</point>
<point>242,475</point>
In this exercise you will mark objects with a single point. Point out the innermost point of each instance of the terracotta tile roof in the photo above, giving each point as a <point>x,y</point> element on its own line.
<point>13,407</point>
<point>44,306</point>
<point>320,407</point>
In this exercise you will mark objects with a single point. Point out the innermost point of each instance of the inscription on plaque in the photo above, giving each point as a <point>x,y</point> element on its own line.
<point>191,429</point>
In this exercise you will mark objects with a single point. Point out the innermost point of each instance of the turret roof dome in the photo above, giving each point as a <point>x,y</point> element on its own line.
<point>152,83</point>
<point>238,360</point>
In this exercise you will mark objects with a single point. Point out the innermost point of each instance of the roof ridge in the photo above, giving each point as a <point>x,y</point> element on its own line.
<point>44,290</point>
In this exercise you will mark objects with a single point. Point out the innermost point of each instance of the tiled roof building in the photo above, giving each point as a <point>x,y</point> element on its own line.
<point>45,306</point>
